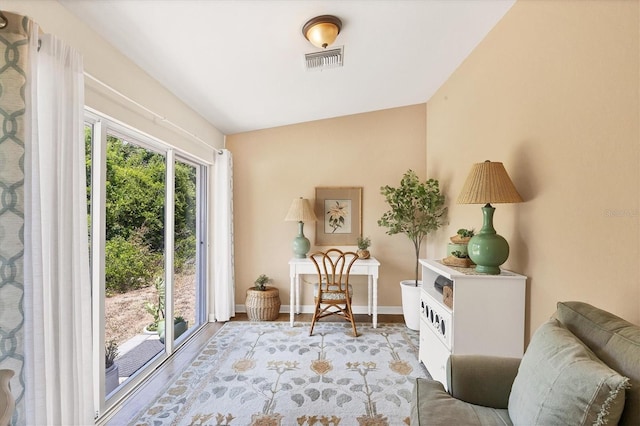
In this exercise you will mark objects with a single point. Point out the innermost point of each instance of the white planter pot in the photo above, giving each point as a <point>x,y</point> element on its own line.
<point>112,379</point>
<point>411,303</point>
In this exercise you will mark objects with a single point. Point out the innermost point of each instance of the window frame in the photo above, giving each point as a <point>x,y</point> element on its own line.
<point>103,125</point>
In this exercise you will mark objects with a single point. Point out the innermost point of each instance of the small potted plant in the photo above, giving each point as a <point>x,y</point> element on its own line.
<point>458,244</point>
<point>462,236</point>
<point>261,282</point>
<point>112,379</point>
<point>458,258</point>
<point>363,245</point>
<point>156,310</point>
<point>262,302</point>
<point>180,325</point>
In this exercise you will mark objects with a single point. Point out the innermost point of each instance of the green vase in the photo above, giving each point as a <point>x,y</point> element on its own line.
<point>301,244</point>
<point>487,249</point>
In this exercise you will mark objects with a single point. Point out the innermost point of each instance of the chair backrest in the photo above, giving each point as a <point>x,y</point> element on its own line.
<point>333,268</point>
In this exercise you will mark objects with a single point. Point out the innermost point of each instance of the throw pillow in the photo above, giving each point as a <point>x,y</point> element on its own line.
<point>560,381</point>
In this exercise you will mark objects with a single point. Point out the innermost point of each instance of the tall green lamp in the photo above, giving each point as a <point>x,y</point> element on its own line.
<point>301,212</point>
<point>488,183</point>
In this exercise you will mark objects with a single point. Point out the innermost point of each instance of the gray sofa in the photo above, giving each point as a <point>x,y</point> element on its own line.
<point>581,367</point>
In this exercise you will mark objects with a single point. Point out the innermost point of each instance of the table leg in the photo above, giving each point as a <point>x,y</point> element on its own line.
<point>369,294</point>
<point>375,302</point>
<point>292,298</point>
<point>297,294</point>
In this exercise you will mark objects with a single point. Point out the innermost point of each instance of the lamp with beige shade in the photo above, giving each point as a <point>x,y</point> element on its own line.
<point>488,183</point>
<point>300,211</point>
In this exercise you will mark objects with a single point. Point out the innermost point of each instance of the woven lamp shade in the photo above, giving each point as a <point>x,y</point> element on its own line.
<point>300,211</point>
<point>488,182</point>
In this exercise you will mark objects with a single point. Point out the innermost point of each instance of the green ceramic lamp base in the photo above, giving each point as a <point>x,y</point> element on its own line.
<point>487,249</point>
<point>301,244</point>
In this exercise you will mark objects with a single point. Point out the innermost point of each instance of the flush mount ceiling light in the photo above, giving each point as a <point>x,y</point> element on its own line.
<point>321,31</point>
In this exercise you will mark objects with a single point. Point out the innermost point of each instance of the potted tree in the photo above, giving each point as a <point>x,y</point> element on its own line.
<point>112,375</point>
<point>262,302</point>
<point>416,209</point>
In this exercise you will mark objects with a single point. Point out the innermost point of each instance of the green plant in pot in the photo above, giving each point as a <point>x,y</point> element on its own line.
<point>262,303</point>
<point>180,325</point>
<point>459,254</point>
<point>112,379</point>
<point>465,233</point>
<point>462,236</point>
<point>415,209</point>
<point>363,246</point>
<point>261,282</point>
<point>156,309</point>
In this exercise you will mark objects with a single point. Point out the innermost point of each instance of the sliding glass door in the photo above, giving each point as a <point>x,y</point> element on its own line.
<point>188,230</point>
<point>147,245</point>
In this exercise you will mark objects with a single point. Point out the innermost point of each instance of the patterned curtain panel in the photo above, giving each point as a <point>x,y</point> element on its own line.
<point>13,62</point>
<point>45,287</point>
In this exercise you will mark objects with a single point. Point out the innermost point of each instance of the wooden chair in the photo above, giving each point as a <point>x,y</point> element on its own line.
<point>332,293</point>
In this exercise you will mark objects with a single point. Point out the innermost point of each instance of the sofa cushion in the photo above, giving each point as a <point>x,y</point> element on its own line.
<point>432,405</point>
<point>560,381</point>
<point>482,379</point>
<point>615,341</point>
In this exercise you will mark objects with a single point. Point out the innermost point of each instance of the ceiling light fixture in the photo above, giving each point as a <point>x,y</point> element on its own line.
<point>322,31</point>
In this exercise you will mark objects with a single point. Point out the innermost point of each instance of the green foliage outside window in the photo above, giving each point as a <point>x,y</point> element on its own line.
<point>130,264</point>
<point>135,203</point>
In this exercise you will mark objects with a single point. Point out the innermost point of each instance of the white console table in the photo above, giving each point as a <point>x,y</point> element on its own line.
<point>305,266</point>
<point>487,316</point>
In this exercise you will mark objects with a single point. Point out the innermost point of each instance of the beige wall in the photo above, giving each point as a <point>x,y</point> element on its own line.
<point>274,166</point>
<point>553,92</point>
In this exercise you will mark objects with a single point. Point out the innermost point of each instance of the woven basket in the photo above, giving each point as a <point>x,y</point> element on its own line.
<point>364,254</point>
<point>457,239</point>
<point>456,261</point>
<point>263,305</point>
<point>447,296</point>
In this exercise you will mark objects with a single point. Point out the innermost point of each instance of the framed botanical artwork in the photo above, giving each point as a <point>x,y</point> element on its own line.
<point>339,213</point>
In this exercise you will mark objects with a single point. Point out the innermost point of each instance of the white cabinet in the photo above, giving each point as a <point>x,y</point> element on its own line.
<point>487,316</point>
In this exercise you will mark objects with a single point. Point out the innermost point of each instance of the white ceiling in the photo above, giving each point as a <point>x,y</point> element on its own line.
<point>240,64</point>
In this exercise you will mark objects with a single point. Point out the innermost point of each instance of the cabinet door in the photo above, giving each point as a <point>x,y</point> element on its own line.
<point>438,316</point>
<point>433,354</point>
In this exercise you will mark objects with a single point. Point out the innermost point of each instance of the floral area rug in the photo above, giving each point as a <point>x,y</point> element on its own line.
<point>272,374</point>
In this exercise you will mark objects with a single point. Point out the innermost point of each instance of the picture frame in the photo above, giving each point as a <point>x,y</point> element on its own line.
<point>339,213</point>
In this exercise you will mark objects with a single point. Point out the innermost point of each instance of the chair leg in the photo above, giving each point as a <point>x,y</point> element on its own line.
<point>315,316</point>
<point>352,319</point>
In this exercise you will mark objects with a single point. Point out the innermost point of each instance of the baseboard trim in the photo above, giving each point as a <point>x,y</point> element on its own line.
<point>308,309</point>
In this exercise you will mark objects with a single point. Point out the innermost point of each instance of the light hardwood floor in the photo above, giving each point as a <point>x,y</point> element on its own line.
<point>146,392</point>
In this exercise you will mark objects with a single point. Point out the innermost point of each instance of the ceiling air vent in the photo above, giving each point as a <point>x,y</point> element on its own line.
<point>330,58</point>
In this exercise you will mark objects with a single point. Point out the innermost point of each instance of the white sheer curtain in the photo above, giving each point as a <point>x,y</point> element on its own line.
<point>58,345</point>
<point>223,276</point>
